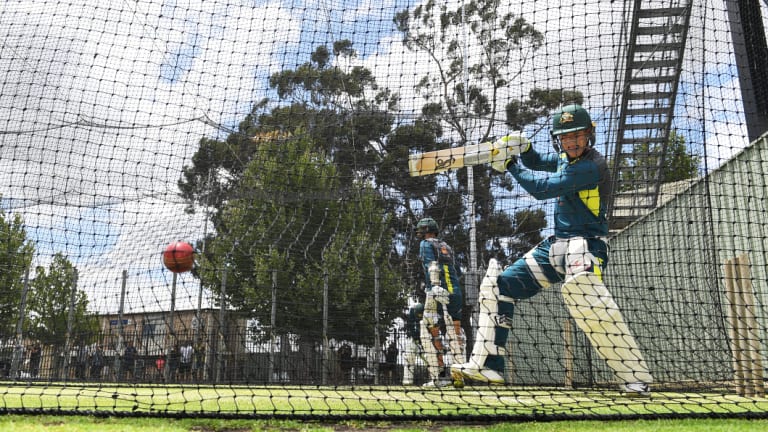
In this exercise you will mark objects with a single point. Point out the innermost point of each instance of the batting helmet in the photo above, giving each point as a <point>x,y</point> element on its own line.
<point>418,310</point>
<point>426,225</point>
<point>572,118</point>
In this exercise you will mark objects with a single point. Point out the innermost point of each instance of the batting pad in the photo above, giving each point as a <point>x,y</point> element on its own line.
<point>596,313</point>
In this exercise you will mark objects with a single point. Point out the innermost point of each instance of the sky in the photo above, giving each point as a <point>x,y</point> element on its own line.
<point>103,103</point>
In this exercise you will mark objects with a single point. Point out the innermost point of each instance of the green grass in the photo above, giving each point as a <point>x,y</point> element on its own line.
<point>45,423</point>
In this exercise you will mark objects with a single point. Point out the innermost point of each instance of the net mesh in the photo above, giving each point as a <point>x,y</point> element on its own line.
<point>277,139</point>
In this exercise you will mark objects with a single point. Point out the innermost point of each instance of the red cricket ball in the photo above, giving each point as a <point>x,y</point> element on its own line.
<point>179,257</point>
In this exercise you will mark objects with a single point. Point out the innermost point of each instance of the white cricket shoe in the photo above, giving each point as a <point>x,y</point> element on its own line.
<point>638,389</point>
<point>437,383</point>
<point>470,371</point>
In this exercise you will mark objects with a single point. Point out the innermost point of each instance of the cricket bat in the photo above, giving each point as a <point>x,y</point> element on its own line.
<point>432,162</point>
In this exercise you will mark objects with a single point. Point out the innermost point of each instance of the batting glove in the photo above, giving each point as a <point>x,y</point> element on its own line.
<point>506,148</point>
<point>440,294</point>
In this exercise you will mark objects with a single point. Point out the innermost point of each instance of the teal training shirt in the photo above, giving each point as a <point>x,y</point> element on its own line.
<point>582,188</point>
<point>437,250</point>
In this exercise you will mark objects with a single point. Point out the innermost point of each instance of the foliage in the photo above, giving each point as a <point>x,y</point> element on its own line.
<point>467,83</point>
<point>293,225</point>
<point>51,294</point>
<point>15,258</point>
<point>329,101</point>
<point>291,198</point>
<point>677,164</point>
<point>463,99</point>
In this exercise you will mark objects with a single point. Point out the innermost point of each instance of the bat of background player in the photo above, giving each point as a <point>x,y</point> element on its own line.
<point>432,162</point>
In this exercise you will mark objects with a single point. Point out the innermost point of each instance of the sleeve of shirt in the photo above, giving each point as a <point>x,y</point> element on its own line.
<point>536,161</point>
<point>573,177</point>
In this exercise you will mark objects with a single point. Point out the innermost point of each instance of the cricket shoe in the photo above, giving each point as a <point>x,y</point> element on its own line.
<point>638,389</point>
<point>437,383</point>
<point>469,371</point>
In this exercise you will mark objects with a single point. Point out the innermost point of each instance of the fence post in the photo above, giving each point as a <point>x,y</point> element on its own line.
<point>120,335</point>
<point>326,366</point>
<point>18,349</point>
<point>70,322</point>
<point>272,322</point>
<point>749,328</point>
<point>170,338</point>
<point>376,335</point>
<point>222,336</point>
<point>733,329</point>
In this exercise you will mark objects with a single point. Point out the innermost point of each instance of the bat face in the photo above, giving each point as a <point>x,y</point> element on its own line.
<point>445,164</point>
<point>451,158</point>
<point>435,161</point>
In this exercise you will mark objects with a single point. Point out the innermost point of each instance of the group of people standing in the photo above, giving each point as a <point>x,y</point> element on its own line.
<point>90,362</point>
<point>180,364</point>
<point>87,362</point>
<point>577,177</point>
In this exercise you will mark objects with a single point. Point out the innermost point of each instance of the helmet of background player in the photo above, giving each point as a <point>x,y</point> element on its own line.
<point>426,225</point>
<point>571,118</point>
<point>418,310</point>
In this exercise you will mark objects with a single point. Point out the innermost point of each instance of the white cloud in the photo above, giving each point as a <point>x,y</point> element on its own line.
<point>98,105</point>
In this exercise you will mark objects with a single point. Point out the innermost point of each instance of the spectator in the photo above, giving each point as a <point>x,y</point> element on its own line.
<point>173,363</point>
<point>129,361</point>
<point>199,361</point>
<point>35,355</point>
<point>97,363</point>
<point>185,365</point>
<point>345,363</point>
<point>160,366</point>
<point>389,372</point>
<point>81,362</point>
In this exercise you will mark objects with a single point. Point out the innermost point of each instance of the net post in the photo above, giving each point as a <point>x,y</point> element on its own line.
<point>753,363</point>
<point>568,355</point>
<point>18,347</point>
<point>733,328</point>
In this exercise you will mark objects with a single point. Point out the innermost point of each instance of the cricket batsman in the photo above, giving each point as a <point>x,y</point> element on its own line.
<point>443,303</point>
<point>413,350</point>
<point>579,180</point>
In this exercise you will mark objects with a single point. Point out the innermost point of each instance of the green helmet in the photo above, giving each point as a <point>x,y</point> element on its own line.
<point>571,118</point>
<point>418,310</point>
<point>426,225</point>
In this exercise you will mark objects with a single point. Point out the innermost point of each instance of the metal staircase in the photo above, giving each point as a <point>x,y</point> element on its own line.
<point>654,57</point>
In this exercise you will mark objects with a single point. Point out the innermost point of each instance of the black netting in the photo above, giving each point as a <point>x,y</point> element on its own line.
<point>279,141</point>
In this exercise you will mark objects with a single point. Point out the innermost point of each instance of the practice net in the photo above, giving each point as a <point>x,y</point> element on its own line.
<point>272,140</point>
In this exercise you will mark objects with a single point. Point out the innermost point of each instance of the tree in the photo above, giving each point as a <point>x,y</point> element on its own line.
<point>15,258</point>
<point>328,101</point>
<point>678,163</point>
<point>49,302</point>
<point>463,95</point>
<point>293,224</point>
<point>290,194</point>
<point>465,89</point>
